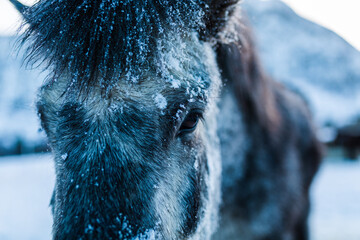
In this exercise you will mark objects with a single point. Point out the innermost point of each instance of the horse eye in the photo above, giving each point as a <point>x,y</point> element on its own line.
<point>190,123</point>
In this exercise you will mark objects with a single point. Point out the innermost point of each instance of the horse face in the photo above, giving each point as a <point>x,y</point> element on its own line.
<point>129,111</point>
<point>142,159</point>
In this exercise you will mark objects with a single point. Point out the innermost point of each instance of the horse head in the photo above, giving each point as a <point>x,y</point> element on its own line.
<point>129,111</point>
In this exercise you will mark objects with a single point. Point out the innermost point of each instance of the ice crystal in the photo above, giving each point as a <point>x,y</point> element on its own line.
<point>160,101</point>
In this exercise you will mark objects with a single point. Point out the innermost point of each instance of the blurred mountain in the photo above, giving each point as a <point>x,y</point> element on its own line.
<point>308,57</point>
<point>19,126</point>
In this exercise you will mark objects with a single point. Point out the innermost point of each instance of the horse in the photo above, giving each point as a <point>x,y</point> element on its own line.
<point>163,124</point>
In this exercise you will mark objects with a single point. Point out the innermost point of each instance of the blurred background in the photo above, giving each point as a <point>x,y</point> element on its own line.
<point>312,46</point>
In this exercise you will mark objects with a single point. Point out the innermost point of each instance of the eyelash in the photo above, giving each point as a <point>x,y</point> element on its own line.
<point>193,117</point>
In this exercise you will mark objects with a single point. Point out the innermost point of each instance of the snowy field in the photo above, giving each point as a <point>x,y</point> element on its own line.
<point>26,184</point>
<point>336,202</point>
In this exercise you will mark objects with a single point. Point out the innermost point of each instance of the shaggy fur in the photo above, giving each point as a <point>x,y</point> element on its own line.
<point>114,36</point>
<point>268,195</point>
<point>126,77</point>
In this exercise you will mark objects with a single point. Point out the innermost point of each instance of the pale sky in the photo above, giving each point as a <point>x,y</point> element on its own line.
<point>343,16</point>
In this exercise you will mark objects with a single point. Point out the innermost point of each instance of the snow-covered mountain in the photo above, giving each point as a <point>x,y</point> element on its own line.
<point>19,126</point>
<point>302,54</point>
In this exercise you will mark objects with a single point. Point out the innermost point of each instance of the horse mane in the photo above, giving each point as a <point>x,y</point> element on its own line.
<point>241,68</point>
<point>272,113</point>
<point>98,40</point>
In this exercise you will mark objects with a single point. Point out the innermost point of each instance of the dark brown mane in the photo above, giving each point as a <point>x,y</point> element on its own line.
<point>273,114</point>
<point>241,68</point>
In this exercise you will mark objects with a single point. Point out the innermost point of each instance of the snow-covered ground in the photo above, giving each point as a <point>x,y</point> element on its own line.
<point>26,184</point>
<point>336,202</point>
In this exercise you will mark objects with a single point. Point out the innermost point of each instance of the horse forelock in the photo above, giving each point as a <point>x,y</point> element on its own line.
<point>92,41</point>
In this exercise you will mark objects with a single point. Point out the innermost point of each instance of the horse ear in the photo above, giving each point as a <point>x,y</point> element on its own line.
<point>20,7</point>
<point>217,14</point>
